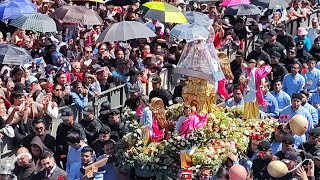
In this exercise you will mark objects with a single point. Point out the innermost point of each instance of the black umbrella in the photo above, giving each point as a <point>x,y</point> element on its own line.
<point>242,10</point>
<point>10,54</point>
<point>271,4</point>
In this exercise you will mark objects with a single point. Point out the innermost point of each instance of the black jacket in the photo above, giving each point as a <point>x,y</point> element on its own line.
<point>259,168</point>
<point>62,131</point>
<point>48,140</point>
<point>118,131</point>
<point>91,129</point>
<point>163,94</point>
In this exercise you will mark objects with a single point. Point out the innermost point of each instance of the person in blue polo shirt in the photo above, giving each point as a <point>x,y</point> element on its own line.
<point>312,77</point>
<point>293,82</point>
<point>295,108</point>
<point>272,105</point>
<point>315,101</point>
<point>282,97</point>
<point>313,111</point>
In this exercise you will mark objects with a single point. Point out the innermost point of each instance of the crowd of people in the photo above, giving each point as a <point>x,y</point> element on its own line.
<point>70,68</point>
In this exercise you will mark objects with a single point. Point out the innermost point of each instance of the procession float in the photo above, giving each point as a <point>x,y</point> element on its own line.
<point>204,135</point>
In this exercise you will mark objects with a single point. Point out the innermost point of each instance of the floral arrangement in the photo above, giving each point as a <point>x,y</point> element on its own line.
<point>224,132</point>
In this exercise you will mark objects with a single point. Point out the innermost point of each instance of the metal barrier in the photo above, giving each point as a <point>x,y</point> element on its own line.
<point>116,96</point>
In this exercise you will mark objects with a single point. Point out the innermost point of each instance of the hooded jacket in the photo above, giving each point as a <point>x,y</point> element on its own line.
<point>37,141</point>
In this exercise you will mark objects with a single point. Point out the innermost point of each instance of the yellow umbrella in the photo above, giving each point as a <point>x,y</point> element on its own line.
<point>162,11</point>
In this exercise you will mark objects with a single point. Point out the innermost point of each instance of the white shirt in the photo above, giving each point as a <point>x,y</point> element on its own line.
<point>313,34</point>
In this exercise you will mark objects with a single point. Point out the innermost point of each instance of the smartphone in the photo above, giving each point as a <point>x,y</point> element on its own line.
<point>38,61</point>
<point>8,37</point>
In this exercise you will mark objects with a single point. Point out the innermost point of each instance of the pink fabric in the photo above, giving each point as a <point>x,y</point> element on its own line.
<point>222,89</point>
<point>193,122</point>
<point>260,73</point>
<point>157,134</point>
<point>139,111</point>
<point>234,2</point>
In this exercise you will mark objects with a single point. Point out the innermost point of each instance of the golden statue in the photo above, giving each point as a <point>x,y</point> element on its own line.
<point>201,94</point>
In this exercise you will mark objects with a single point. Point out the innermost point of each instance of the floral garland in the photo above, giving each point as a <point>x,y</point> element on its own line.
<point>224,132</point>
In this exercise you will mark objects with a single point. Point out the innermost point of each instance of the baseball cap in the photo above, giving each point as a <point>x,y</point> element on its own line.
<point>288,139</point>
<point>105,108</point>
<point>156,79</point>
<point>133,72</point>
<point>272,33</point>
<point>315,19</point>
<point>239,53</point>
<point>134,89</point>
<point>114,112</point>
<point>280,27</point>
<point>259,42</point>
<point>88,110</point>
<point>104,130</point>
<point>293,156</point>
<point>264,146</point>
<point>315,132</point>
<point>276,54</point>
<point>65,113</point>
<point>300,43</point>
<point>252,61</point>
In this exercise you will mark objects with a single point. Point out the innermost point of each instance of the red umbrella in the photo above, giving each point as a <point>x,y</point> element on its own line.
<point>234,2</point>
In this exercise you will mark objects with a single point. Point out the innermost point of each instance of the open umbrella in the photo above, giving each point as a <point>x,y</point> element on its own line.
<point>234,2</point>
<point>242,10</point>
<point>125,30</point>
<point>77,14</point>
<point>10,9</point>
<point>271,4</point>
<point>189,32</point>
<point>198,18</point>
<point>10,54</point>
<point>35,22</point>
<point>161,11</point>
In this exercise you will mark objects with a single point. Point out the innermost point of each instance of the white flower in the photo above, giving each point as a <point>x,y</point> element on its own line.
<point>222,126</point>
<point>246,132</point>
<point>165,167</point>
<point>183,143</point>
<point>178,138</point>
<point>157,160</point>
<point>173,148</point>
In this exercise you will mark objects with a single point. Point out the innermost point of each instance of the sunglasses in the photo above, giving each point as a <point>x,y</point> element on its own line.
<point>89,51</point>
<point>58,89</point>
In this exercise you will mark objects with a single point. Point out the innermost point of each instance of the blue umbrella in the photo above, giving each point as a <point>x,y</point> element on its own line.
<point>189,32</point>
<point>11,9</point>
<point>198,18</point>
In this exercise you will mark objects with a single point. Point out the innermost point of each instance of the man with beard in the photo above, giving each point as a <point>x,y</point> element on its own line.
<point>272,45</point>
<point>50,169</point>
<point>293,82</point>
<point>295,108</point>
<point>24,166</point>
<point>278,70</point>
<point>260,163</point>
<point>40,131</point>
<point>77,169</point>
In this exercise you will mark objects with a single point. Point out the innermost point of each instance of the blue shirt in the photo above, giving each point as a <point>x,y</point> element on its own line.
<point>292,84</point>
<point>307,42</point>
<point>73,156</point>
<point>314,76</point>
<point>315,99</point>
<point>283,99</point>
<point>120,75</point>
<point>276,147</point>
<point>272,108</point>
<point>230,103</point>
<point>75,173</point>
<point>80,101</point>
<point>313,111</point>
<point>289,113</point>
<point>146,118</point>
